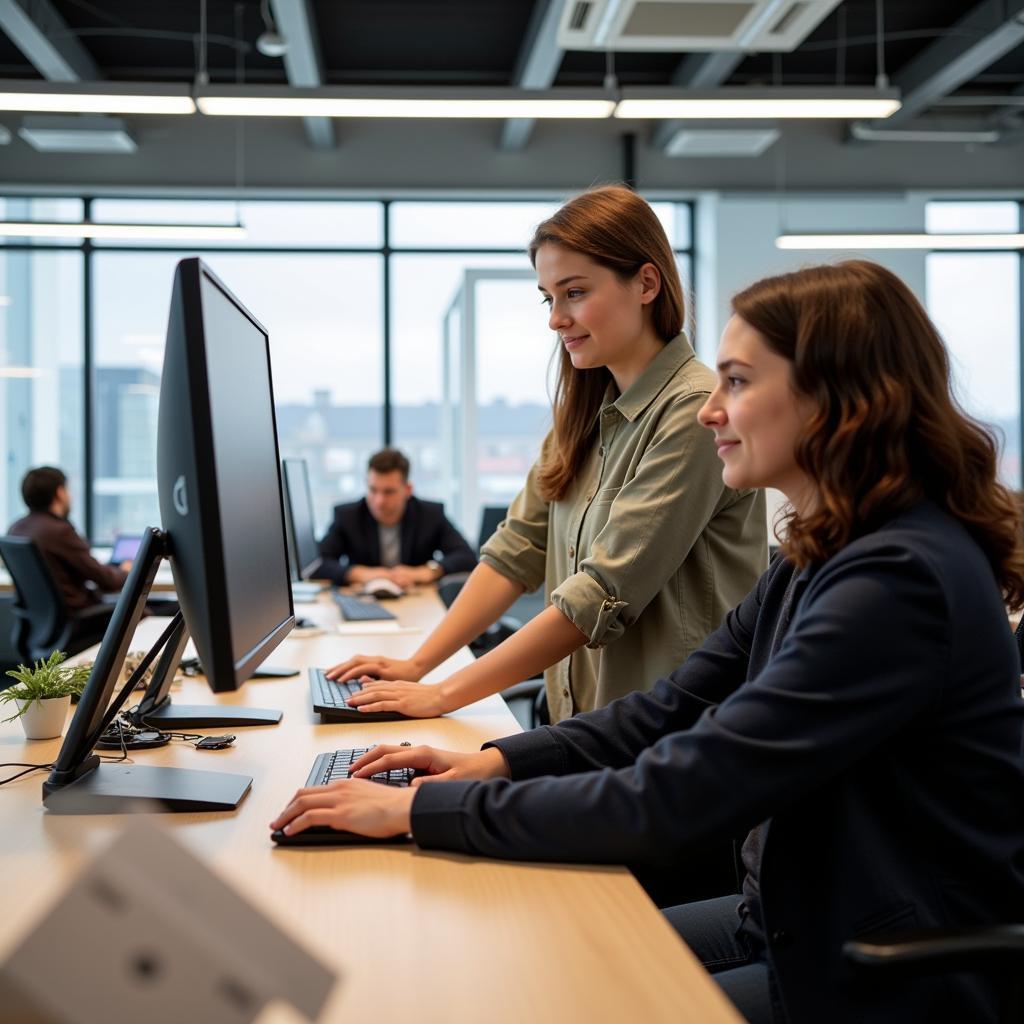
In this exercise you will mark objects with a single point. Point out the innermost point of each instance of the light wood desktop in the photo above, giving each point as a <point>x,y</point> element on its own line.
<point>414,935</point>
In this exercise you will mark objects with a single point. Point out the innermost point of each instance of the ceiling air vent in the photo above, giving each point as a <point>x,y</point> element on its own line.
<point>690,25</point>
<point>578,15</point>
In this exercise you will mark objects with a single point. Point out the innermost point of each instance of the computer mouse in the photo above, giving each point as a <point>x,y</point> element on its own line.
<point>382,589</point>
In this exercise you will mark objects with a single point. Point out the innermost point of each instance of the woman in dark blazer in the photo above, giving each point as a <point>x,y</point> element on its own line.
<point>858,714</point>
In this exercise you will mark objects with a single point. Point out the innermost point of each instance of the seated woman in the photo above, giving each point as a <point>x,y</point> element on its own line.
<point>859,713</point>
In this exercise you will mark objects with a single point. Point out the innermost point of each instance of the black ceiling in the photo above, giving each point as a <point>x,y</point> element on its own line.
<point>470,42</point>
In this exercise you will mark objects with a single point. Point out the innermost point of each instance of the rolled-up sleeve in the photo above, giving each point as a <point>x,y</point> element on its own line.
<point>518,548</point>
<point>653,522</point>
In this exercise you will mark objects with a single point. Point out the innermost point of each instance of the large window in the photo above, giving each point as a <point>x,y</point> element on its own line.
<point>974,298</point>
<point>41,377</point>
<point>471,349</point>
<point>346,290</point>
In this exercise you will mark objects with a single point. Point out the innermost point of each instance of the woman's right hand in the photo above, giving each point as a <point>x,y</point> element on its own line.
<point>378,667</point>
<point>436,765</point>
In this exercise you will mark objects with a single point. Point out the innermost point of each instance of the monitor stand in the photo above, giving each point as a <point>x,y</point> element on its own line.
<point>79,783</point>
<point>157,711</point>
<point>120,789</point>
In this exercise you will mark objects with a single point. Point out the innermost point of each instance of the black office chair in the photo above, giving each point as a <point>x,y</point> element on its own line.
<point>491,518</point>
<point>1019,635</point>
<point>42,621</point>
<point>528,695</point>
<point>996,951</point>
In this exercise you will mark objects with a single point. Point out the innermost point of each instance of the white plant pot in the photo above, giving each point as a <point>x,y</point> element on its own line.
<point>44,719</point>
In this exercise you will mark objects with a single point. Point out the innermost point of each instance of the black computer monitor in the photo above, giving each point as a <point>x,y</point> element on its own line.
<point>303,549</point>
<point>222,512</point>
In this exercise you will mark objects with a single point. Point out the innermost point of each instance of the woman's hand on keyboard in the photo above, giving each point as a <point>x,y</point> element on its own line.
<point>417,700</point>
<point>379,667</point>
<point>353,805</point>
<point>435,765</point>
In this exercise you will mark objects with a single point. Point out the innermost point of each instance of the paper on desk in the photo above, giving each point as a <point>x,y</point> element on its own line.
<point>378,628</point>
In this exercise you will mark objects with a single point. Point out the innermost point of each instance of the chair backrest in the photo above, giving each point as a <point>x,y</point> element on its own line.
<point>491,516</point>
<point>1019,634</point>
<point>40,607</point>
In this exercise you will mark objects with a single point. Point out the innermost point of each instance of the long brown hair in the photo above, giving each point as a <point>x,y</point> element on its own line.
<point>887,431</point>
<point>617,229</point>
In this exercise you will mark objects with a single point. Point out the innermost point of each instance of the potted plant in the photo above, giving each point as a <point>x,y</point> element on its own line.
<point>42,695</point>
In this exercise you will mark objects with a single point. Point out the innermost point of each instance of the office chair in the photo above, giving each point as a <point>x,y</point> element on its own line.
<point>530,691</point>
<point>1019,636</point>
<point>42,621</point>
<point>996,951</point>
<point>491,517</point>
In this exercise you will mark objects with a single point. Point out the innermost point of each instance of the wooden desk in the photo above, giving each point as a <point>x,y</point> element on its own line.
<point>414,935</point>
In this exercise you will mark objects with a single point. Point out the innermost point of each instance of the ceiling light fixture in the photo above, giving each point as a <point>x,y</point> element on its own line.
<point>270,42</point>
<point>902,240</point>
<point>95,98</point>
<point>332,101</point>
<point>649,102</point>
<point>90,229</point>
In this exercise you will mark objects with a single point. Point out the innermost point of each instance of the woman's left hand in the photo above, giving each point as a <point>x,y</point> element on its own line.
<point>355,805</point>
<point>417,700</point>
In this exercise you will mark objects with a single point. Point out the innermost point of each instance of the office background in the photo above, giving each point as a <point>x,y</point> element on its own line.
<point>386,257</point>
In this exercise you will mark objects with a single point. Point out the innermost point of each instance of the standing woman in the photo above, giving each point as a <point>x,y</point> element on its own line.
<point>624,518</point>
<point>859,713</point>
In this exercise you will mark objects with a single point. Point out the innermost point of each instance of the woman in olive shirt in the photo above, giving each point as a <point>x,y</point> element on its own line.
<point>624,518</point>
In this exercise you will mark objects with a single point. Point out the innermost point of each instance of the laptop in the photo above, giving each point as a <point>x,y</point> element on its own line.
<point>126,547</point>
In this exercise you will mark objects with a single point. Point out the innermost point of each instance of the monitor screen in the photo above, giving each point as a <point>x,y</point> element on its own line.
<point>303,549</point>
<point>219,479</point>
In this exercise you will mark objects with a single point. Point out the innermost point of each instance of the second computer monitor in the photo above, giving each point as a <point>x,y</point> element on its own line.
<point>303,549</point>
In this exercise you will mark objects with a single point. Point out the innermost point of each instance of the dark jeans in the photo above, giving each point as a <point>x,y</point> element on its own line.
<point>711,929</point>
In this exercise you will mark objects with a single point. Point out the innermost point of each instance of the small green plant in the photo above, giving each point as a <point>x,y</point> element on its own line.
<point>46,679</point>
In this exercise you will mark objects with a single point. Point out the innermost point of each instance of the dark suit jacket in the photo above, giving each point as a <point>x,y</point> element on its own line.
<point>353,539</point>
<point>881,744</point>
<point>69,558</point>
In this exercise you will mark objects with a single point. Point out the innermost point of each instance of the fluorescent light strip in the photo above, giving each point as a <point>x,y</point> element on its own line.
<point>20,372</point>
<point>95,102</point>
<point>899,240</point>
<point>754,108</point>
<point>200,232</point>
<point>324,106</point>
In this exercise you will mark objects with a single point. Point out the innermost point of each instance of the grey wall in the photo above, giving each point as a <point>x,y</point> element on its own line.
<point>443,156</point>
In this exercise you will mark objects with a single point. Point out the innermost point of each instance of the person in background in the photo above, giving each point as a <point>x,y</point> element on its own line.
<point>858,714</point>
<point>624,518</point>
<point>45,492</point>
<point>391,533</point>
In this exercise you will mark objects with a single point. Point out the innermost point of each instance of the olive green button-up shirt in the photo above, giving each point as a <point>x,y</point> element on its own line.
<point>648,550</point>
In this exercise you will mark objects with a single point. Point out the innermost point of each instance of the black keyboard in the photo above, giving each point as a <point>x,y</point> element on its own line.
<point>330,767</point>
<point>330,701</point>
<point>354,610</point>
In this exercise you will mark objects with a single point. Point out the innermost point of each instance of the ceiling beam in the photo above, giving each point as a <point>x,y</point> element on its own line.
<point>303,63</point>
<point>539,59</point>
<point>42,35</point>
<point>989,30</point>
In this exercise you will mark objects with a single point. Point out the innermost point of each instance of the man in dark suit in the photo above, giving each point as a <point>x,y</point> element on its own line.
<point>45,491</point>
<point>392,534</point>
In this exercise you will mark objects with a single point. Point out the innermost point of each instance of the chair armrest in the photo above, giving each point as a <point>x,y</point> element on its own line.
<point>528,688</point>
<point>938,947</point>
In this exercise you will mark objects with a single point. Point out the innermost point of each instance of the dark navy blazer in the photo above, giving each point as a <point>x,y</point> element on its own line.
<point>354,539</point>
<point>881,745</point>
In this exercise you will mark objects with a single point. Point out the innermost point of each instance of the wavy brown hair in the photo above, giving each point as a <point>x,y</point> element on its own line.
<point>887,431</point>
<point>617,229</point>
